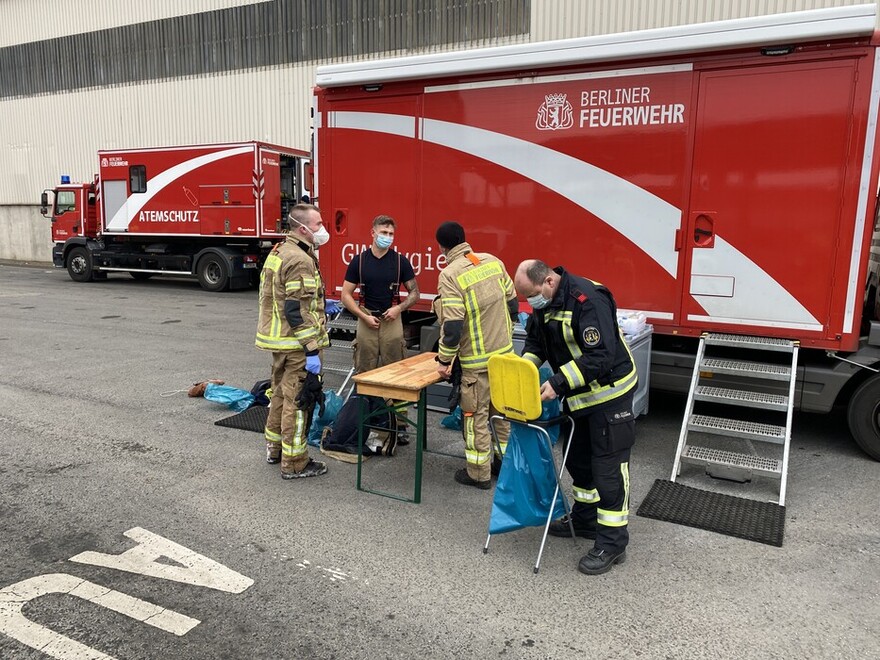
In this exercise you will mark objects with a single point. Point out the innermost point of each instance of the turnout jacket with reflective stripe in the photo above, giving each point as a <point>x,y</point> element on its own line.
<point>476,295</point>
<point>577,333</point>
<point>291,300</point>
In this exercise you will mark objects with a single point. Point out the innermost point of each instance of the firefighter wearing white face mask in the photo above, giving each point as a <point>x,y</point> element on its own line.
<point>574,328</point>
<point>292,326</point>
<point>477,305</point>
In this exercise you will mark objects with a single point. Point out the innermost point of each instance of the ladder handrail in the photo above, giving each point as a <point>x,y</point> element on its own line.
<point>786,447</point>
<point>688,409</point>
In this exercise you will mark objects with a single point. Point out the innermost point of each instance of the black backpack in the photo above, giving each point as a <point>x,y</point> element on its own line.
<point>342,436</point>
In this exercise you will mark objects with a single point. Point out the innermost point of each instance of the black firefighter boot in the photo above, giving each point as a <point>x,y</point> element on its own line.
<point>597,561</point>
<point>582,527</point>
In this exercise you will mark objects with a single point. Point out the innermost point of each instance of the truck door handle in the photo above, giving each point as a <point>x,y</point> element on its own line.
<point>704,231</point>
<point>340,222</point>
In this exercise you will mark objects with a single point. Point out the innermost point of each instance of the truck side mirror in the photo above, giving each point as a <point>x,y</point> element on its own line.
<point>44,204</point>
<point>308,184</point>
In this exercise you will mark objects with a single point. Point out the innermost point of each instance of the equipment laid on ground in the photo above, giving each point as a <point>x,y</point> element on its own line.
<point>208,211</point>
<point>720,177</point>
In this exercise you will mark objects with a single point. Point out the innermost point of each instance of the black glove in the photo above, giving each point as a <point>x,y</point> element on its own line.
<point>311,393</point>
<point>455,381</point>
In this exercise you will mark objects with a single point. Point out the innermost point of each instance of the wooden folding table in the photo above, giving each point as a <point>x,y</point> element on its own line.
<point>406,380</point>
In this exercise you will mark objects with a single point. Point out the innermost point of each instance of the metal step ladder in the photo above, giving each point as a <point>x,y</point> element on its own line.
<point>338,358</point>
<point>754,376</point>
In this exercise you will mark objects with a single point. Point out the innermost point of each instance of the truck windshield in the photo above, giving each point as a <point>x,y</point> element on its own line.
<point>65,201</point>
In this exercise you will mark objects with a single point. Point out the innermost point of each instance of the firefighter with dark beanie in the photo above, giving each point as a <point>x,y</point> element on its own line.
<point>477,307</point>
<point>574,328</point>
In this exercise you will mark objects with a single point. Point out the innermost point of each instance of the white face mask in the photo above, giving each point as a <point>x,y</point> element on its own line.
<point>319,237</point>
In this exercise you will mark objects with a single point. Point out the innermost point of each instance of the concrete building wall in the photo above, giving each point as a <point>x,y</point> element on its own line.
<point>244,91</point>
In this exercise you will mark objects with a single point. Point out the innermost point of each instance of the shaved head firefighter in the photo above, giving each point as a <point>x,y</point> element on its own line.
<point>574,328</point>
<point>292,326</point>
<point>477,305</point>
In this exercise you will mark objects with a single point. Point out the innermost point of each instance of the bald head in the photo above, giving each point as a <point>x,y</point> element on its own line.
<point>530,276</point>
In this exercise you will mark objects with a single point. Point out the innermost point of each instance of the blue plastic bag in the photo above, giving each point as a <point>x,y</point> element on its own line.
<point>452,420</point>
<point>332,405</point>
<point>231,397</point>
<point>524,492</point>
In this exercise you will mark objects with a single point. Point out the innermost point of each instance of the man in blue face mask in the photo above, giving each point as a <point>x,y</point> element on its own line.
<point>574,328</point>
<point>379,272</point>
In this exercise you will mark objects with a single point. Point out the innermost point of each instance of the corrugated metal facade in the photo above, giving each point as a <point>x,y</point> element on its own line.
<point>251,85</point>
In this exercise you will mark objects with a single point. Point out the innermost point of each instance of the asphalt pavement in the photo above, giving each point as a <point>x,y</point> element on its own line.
<point>94,460</point>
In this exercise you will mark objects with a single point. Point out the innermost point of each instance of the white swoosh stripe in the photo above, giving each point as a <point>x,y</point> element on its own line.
<point>123,217</point>
<point>756,297</point>
<point>641,217</point>
<point>638,215</point>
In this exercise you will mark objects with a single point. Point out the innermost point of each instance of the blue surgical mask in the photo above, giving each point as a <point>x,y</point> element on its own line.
<point>384,242</point>
<point>538,301</point>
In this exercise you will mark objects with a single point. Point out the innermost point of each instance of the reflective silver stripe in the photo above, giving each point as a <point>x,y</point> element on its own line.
<point>624,472</point>
<point>590,496</point>
<point>278,343</point>
<point>475,457</point>
<point>573,375</point>
<point>612,518</point>
<point>606,393</point>
<point>534,359</point>
<point>298,445</point>
<point>272,436</point>
<point>483,358</point>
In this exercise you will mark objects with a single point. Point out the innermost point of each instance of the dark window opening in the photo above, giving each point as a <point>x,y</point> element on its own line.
<point>137,178</point>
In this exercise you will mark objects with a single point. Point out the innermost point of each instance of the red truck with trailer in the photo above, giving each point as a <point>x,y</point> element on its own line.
<point>207,211</point>
<point>718,177</point>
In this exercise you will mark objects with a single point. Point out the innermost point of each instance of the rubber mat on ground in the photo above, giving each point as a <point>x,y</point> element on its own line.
<point>252,419</point>
<point>763,522</point>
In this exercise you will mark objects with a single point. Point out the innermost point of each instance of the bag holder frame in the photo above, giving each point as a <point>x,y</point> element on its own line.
<point>541,426</point>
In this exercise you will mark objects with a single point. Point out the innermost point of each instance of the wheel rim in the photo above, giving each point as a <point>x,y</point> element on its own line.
<point>213,273</point>
<point>875,418</point>
<point>78,264</point>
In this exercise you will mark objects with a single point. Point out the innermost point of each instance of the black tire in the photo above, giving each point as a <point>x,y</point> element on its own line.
<point>79,264</point>
<point>863,416</point>
<point>213,273</point>
<point>140,277</point>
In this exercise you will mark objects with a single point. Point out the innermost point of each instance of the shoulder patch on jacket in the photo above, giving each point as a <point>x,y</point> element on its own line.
<point>580,296</point>
<point>592,336</point>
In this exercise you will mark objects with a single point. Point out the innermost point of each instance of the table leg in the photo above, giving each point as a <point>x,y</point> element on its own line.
<point>421,440</point>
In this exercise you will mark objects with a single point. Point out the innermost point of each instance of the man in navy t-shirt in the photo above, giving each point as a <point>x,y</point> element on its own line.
<point>379,272</point>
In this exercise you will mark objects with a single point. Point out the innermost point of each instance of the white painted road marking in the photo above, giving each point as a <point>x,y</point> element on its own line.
<point>14,624</point>
<point>197,569</point>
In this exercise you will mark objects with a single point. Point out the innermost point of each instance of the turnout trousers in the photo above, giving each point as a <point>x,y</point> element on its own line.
<point>374,348</point>
<point>476,408</point>
<point>598,463</point>
<point>287,427</point>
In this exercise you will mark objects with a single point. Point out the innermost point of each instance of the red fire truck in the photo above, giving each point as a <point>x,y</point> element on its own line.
<point>719,177</point>
<point>208,211</point>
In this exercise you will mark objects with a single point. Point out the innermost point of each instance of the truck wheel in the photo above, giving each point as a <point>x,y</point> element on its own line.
<point>213,273</point>
<point>140,277</point>
<point>863,416</point>
<point>79,264</point>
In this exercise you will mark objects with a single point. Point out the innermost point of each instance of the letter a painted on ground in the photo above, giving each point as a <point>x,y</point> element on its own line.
<point>197,569</point>
<point>14,624</point>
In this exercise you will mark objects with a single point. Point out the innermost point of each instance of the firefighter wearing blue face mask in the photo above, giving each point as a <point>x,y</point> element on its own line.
<point>379,272</point>
<point>574,328</point>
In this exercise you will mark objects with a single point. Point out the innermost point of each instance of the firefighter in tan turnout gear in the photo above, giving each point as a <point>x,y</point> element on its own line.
<point>477,302</point>
<point>291,325</point>
<point>574,328</point>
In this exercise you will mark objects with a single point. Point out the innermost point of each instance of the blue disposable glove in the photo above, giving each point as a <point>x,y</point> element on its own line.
<point>313,364</point>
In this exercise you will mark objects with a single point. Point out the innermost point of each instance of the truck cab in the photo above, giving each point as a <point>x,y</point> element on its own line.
<point>71,209</point>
